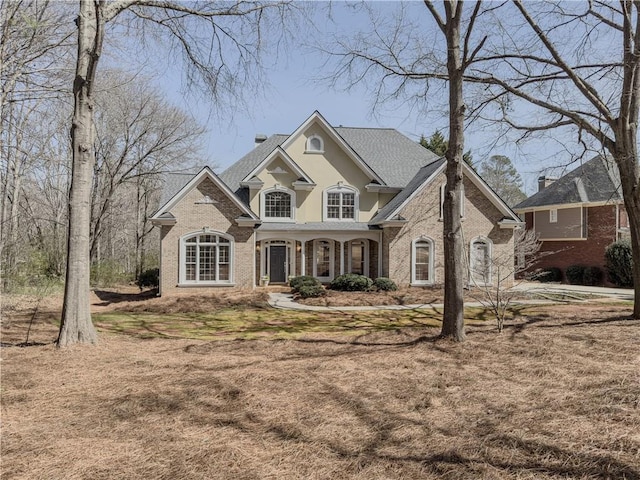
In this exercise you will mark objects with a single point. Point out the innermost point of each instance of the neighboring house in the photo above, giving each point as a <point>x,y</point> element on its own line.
<point>576,216</point>
<point>324,201</point>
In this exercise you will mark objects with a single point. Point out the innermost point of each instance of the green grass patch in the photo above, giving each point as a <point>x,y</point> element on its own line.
<point>252,323</point>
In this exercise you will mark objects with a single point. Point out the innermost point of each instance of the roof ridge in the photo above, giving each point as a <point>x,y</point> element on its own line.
<point>366,128</point>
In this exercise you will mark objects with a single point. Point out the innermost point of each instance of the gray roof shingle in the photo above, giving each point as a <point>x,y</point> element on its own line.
<point>172,184</point>
<point>423,174</point>
<point>394,157</point>
<point>233,175</point>
<point>594,181</point>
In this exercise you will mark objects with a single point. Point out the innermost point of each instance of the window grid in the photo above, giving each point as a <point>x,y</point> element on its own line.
<point>207,259</point>
<point>277,205</point>
<point>422,253</point>
<point>323,259</point>
<point>357,257</point>
<point>341,205</point>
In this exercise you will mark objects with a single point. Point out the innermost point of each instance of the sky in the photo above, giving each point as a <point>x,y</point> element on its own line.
<point>293,92</point>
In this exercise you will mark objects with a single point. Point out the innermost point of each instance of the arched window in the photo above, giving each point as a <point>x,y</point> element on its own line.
<point>480,261</point>
<point>315,144</point>
<point>340,203</point>
<point>278,205</point>
<point>206,258</point>
<point>422,256</point>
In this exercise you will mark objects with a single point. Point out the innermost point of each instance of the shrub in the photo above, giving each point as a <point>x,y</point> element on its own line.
<point>150,278</point>
<point>303,280</point>
<point>351,282</point>
<point>575,274</point>
<point>592,276</point>
<point>620,263</point>
<point>308,291</point>
<point>385,284</point>
<point>550,274</point>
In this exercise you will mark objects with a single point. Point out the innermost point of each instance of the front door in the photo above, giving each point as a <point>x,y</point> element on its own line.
<point>278,263</point>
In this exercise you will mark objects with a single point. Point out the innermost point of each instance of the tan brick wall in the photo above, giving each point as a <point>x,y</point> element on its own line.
<point>480,219</point>
<point>192,217</point>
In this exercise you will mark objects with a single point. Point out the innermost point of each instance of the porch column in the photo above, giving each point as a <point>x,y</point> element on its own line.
<point>380,258</point>
<point>303,261</point>
<point>341,257</point>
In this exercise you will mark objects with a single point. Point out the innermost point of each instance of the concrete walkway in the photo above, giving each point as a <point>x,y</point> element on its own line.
<point>285,300</point>
<point>615,293</point>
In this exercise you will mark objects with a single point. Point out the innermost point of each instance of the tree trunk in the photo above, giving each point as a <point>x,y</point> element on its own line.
<point>453,319</point>
<point>626,157</point>
<point>76,325</point>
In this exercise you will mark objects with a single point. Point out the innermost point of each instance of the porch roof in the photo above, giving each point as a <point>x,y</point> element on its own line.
<point>317,227</point>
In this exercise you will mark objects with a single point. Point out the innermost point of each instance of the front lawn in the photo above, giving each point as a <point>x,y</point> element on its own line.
<point>556,395</point>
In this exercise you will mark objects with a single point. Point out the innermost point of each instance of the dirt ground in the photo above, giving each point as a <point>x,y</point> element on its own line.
<point>555,396</point>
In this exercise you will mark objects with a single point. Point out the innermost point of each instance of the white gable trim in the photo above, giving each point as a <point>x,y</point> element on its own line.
<point>417,191</point>
<point>278,152</point>
<point>560,206</point>
<point>316,117</point>
<point>475,179</point>
<point>206,172</point>
<point>489,193</point>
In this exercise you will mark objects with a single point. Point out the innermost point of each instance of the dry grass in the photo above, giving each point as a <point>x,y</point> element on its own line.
<point>555,396</point>
<point>402,296</point>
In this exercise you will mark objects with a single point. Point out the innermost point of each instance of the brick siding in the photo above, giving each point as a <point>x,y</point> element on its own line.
<point>601,231</point>
<point>192,217</point>
<point>481,219</point>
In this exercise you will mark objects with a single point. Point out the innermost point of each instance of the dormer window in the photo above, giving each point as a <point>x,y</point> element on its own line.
<point>340,203</point>
<point>315,144</point>
<point>278,205</point>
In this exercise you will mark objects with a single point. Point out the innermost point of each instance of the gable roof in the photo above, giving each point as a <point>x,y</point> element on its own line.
<point>278,152</point>
<point>424,177</point>
<point>206,172</point>
<point>391,156</point>
<point>415,185</point>
<point>233,175</point>
<point>592,182</point>
<point>316,117</point>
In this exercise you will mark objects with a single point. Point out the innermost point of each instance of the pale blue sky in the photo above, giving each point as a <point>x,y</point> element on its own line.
<point>292,93</point>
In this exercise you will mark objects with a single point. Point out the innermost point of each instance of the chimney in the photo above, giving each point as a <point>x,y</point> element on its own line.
<point>260,137</point>
<point>544,182</point>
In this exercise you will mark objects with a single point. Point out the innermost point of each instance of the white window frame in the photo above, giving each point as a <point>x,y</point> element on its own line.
<point>308,146</point>
<point>341,189</point>
<point>182,270</point>
<point>280,189</point>
<point>472,280</point>
<point>365,255</point>
<point>332,259</point>
<point>553,215</point>
<point>414,245</point>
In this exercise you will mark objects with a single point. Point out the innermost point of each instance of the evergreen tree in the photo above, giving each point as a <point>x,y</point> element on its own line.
<point>439,145</point>
<point>502,176</point>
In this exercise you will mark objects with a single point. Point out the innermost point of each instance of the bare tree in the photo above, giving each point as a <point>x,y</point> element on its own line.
<point>399,63</point>
<point>497,293</point>
<point>34,39</point>
<point>503,178</point>
<point>234,40</point>
<point>572,65</point>
<point>138,134</point>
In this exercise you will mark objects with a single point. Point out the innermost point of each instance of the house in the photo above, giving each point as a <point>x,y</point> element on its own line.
<point>323,201</point>
<point>577,215</point>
